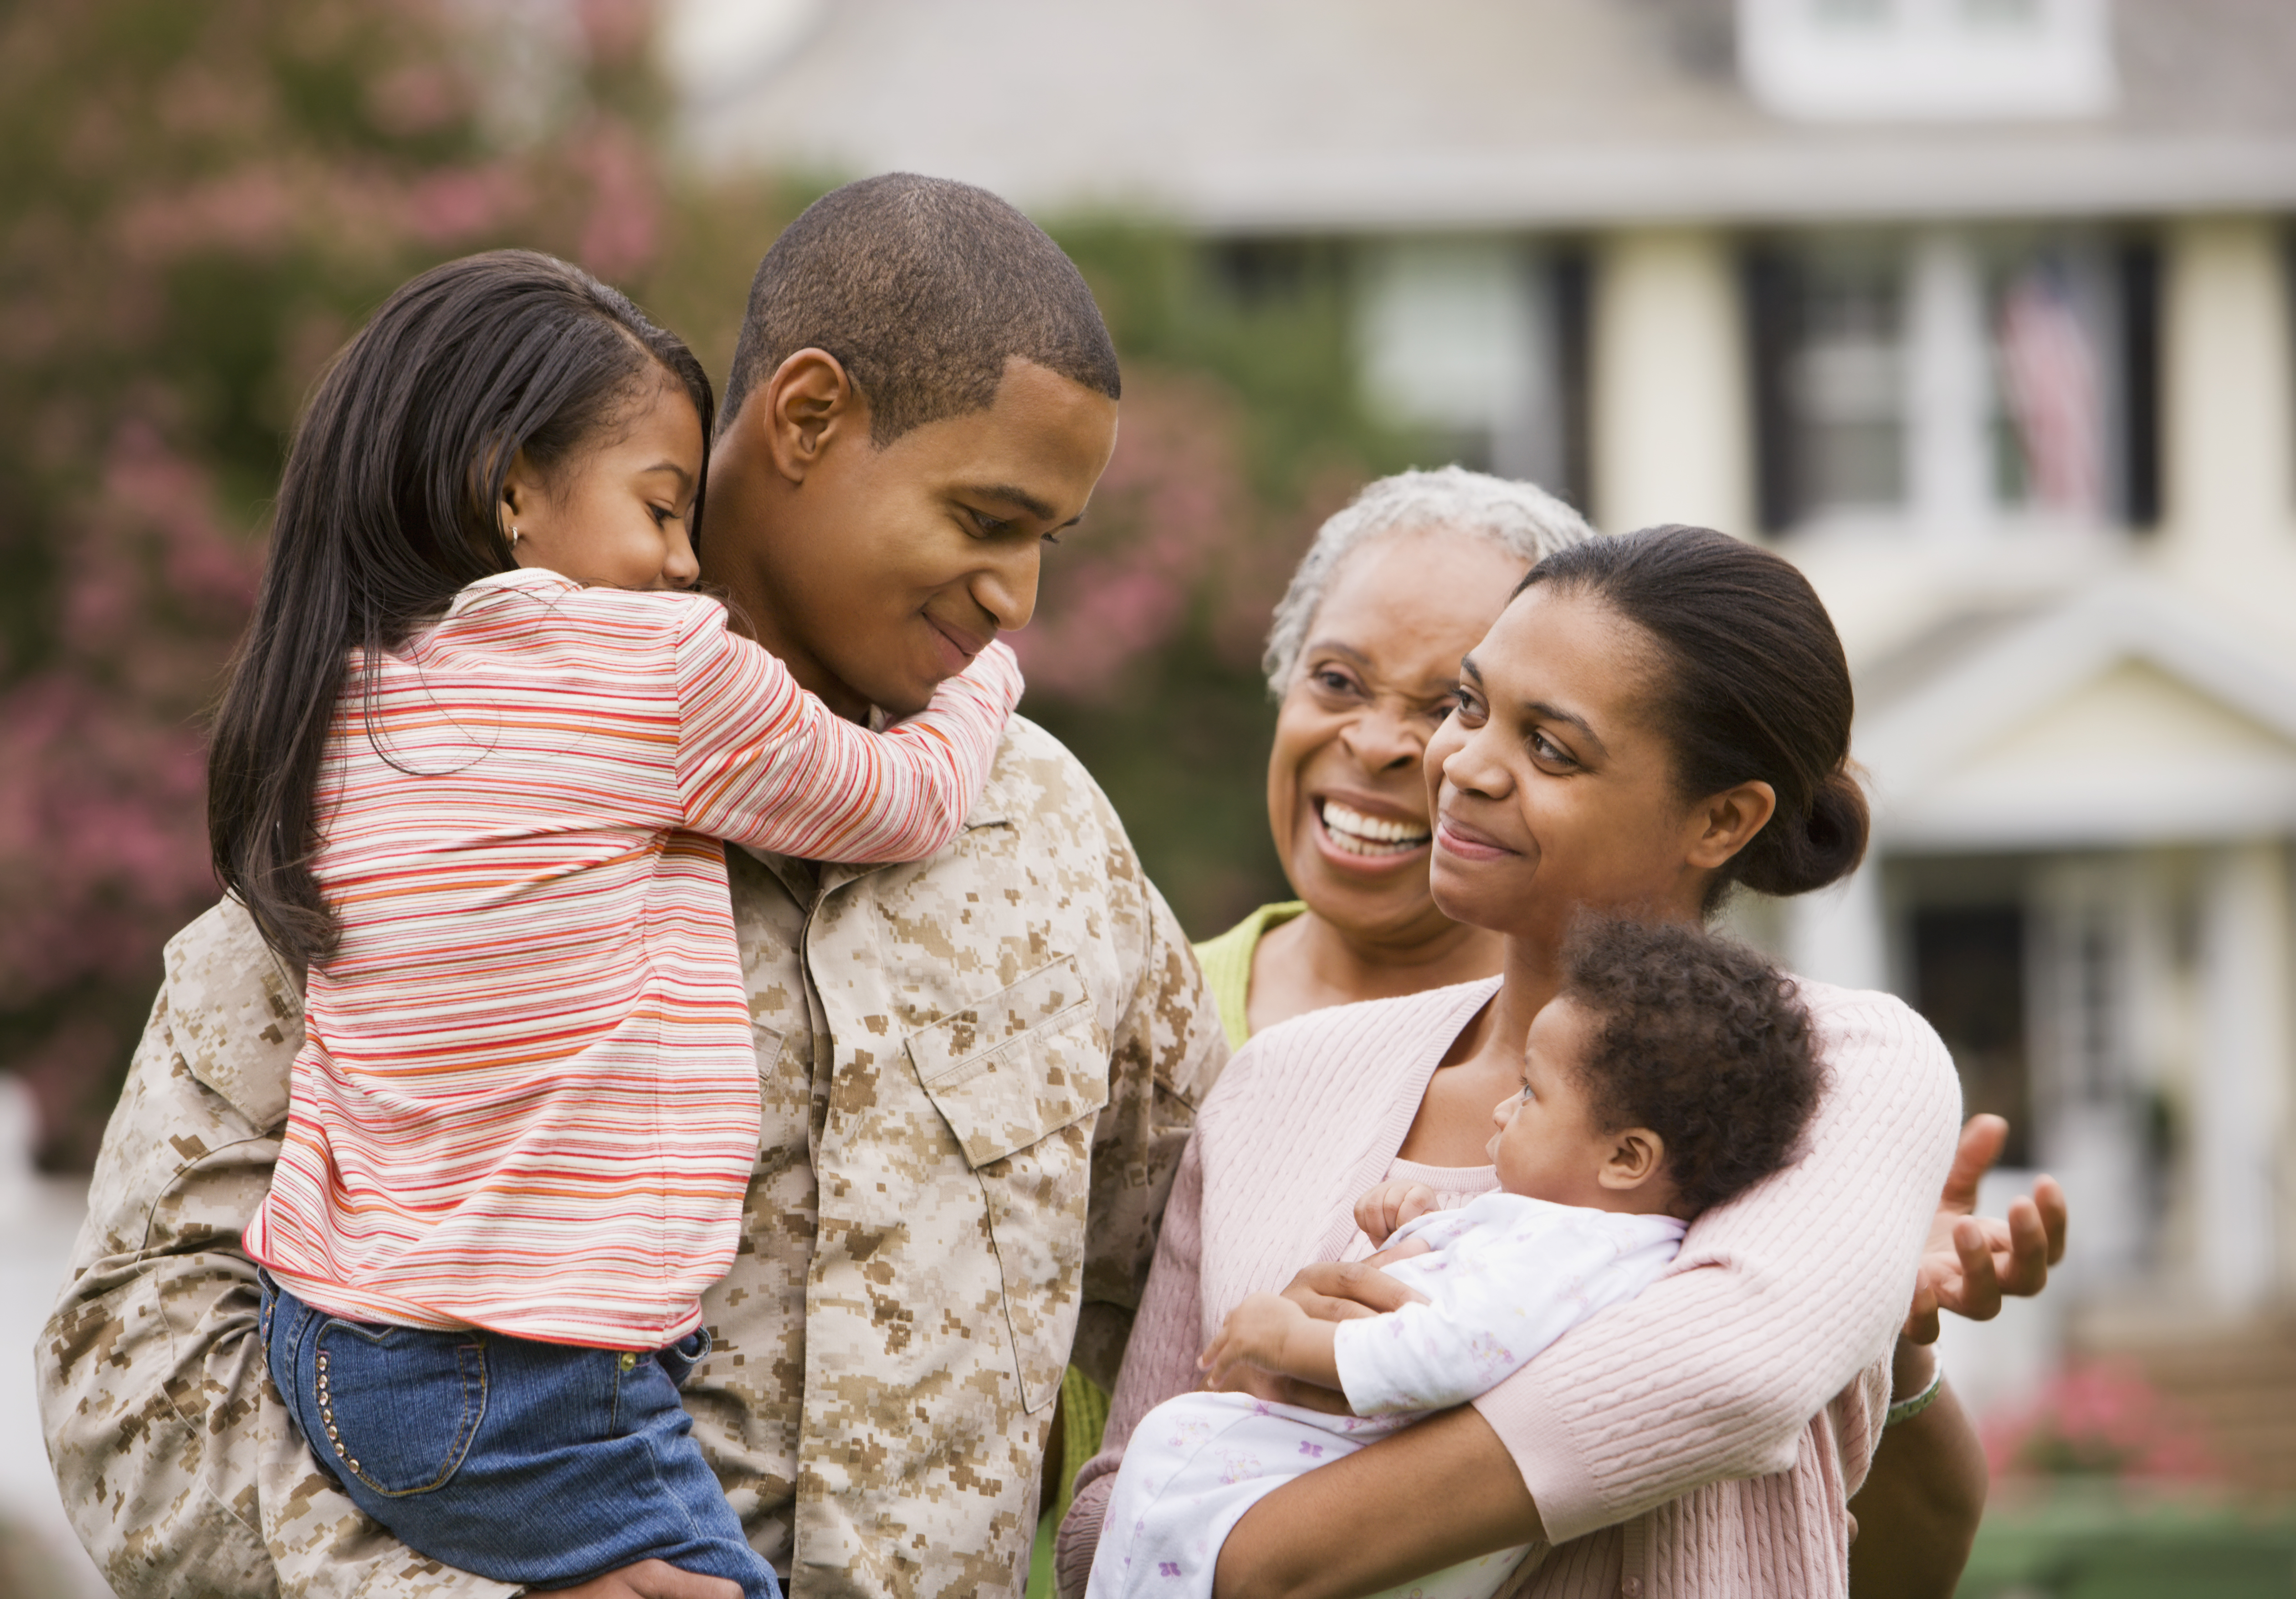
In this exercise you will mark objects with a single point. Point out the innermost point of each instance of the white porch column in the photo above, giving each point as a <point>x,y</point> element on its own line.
<point>1836,935</point>
<point>2238,1098</point>
<point>1949,455</point>
<point>1672,440</point>
<point>2229,410</point>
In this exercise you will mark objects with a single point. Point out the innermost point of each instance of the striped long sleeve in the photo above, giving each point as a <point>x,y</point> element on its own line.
<point>528,1098</point>
<point>762,762</point>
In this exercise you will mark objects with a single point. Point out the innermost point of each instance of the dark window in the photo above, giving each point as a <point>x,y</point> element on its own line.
<point>1827,329</point>
<point>2139,270</point>
<point>1770,293</point>
<point>1573,323</point>
<point>1969,980</point>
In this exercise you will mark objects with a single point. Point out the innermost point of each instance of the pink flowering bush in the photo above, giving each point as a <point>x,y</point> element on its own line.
<point>200,203</point>
<point>2097,1419</point>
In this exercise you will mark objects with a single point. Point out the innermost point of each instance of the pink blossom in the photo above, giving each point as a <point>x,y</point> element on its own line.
<point>624,227</point>
<point>452,207</point>
<point>247,211</point>
<point>2099,1418</point>
<point>415,98</point>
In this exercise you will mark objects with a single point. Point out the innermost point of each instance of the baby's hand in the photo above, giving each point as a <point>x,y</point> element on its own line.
<point>1253,1335</point>
<point>1387,1206</point>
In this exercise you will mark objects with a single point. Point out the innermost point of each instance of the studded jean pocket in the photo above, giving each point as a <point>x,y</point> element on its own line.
<point>397,1408</point>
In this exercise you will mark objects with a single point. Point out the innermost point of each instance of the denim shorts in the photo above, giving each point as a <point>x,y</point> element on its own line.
<point>539,1464</point>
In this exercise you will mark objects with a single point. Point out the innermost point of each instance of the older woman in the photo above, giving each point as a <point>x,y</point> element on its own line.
<point>1363,660</point>
<point>1363,656</point>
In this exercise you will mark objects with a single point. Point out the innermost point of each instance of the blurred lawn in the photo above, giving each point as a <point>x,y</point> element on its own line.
<point>2096,1540</point>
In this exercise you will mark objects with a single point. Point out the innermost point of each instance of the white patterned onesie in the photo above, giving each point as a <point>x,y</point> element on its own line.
<point>1505,1276</point>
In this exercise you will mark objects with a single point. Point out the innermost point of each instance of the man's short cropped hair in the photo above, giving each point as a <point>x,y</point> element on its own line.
<point>921,288</point>
<point>1699,1039</point>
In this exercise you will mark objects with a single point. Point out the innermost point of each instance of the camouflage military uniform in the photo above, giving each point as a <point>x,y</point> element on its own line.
<point>976,1074</point>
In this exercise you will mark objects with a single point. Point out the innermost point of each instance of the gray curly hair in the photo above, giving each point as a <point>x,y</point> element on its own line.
<point>1522,519</point>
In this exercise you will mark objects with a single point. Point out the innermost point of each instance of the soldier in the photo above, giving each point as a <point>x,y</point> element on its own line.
<point>975,1071</point>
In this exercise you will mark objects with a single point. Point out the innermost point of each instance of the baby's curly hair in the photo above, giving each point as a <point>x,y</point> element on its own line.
<point>1700,1040</point>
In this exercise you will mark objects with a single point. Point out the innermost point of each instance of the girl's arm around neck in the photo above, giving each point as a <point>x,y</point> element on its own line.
<point>761,761</point>
<point>1440,1492</point>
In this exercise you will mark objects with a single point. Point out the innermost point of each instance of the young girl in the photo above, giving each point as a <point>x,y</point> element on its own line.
<point>1670,1073</point>
<point>471,771</point>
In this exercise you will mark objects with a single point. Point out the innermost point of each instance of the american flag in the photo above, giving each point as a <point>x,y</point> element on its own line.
<point>2049,371</point>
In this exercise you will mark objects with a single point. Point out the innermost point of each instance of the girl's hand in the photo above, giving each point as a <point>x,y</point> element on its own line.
<point>1253,1335</point>
<point>652,1579</point>
<point>1387,1206</point>
<point>1970,1260</point>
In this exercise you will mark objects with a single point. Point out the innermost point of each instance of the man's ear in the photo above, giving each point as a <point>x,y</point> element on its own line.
<point>809,405</point>
<point>1722,824</point>
<point>1637,1155</point>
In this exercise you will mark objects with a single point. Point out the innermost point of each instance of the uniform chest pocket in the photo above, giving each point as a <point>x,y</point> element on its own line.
<point>1018,1076</point>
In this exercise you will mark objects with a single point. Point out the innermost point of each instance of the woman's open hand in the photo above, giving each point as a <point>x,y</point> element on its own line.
<point>1970,1261</point>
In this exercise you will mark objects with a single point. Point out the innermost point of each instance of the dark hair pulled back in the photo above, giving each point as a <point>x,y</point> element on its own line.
<point>1754,687</point>
<point>388,505</point>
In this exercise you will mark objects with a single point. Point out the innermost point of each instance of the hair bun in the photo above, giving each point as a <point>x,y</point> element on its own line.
<point>1825,849</point>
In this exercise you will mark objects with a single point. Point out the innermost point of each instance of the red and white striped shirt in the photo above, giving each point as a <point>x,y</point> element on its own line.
<point>528,1097</point>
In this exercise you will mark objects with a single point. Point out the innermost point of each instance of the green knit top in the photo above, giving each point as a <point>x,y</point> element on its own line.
<point>1226,960</point>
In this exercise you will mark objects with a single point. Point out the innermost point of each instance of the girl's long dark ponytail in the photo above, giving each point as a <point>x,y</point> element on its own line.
<point>386,508</point>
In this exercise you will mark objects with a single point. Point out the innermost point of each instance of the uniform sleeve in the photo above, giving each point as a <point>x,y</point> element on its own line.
<point>1503,1300</point>
<point>174,1458</point>
<point>762,762</point>
<point>1777,1302</point>
<point>1165,1051</point>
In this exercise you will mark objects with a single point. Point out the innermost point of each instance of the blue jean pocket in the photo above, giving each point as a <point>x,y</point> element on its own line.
<point>399,1406</point>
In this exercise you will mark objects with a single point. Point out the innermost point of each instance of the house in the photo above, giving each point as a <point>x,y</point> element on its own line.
<point>1979,310</point>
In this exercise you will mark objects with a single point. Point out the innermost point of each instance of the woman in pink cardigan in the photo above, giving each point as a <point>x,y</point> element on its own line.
<point>1651,721</point>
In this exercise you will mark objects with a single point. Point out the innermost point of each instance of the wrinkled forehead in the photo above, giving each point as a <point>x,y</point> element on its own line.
<point>1425,587</point>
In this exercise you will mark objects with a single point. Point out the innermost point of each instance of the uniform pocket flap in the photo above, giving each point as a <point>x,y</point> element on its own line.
<point>1009,1069</point>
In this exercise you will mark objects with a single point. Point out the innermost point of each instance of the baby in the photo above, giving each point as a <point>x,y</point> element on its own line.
<point>1670,1073</point>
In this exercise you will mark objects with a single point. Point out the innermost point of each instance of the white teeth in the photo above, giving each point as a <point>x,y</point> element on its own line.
<point>1358,834</point>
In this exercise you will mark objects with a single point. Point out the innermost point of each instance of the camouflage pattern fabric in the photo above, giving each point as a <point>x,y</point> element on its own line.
<point>976,1074</point>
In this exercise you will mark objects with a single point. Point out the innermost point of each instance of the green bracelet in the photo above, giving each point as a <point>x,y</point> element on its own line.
<point>1905,1410</point>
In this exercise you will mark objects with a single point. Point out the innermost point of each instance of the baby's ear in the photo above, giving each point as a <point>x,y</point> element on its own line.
<point>1637,1155</point>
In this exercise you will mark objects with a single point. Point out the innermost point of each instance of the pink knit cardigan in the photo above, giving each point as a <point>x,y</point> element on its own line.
<point>1703,1439</point>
